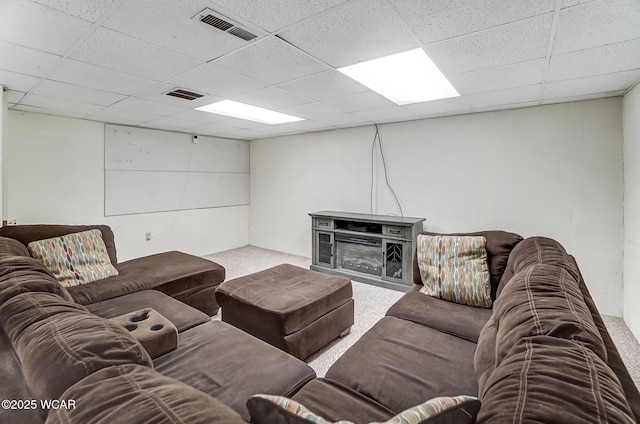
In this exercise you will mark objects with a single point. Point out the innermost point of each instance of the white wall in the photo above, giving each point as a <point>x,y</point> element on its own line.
<point>55,174</point>
<point>551,170</point>
<point>3,137</point>
<point>631,125</point>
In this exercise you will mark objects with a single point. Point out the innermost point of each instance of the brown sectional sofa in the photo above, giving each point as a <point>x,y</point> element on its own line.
<point>541,354</point>
<point>52,347</point>
<point>187,278</point>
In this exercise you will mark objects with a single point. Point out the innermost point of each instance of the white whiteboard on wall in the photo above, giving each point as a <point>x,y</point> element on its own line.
<point>157,171</point>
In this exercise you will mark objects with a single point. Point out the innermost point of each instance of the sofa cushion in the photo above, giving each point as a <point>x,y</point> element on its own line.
<point>62,349</point>
<point>499,246</point>
<point>537,250</point>
<point>25,234</point>
<point>334,401</point>
<point>136,394</point>
<point>549,380</point>
<point>244,365</point>
<point>181,315</point>
<point>544,300</point>
<point>21,274</point>
<point>75,259</point>
<point>454,268</point>
<point>394,353</point>
<point>12,247</point>
<point>176,274</point>
<point>20,312</point>
<point>448,317</point>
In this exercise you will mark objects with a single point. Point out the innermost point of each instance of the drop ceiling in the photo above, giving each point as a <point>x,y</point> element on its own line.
<point>115,60</point>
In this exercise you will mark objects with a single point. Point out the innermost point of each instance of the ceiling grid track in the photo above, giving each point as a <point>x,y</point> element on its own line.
<point>552,37</point>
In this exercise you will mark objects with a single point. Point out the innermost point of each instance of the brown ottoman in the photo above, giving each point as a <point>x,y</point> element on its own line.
<point>292,308</point>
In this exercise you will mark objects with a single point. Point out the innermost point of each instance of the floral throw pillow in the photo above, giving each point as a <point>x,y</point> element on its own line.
<point>455,268</point>
<point>269,409</point>
<point>459,409</point>
<point>76,258</point>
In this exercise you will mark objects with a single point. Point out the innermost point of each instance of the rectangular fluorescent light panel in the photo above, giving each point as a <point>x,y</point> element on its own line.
<point>403,78</point>
<point>251,113</point>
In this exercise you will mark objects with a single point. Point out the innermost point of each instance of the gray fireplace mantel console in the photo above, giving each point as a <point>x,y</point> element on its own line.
<point>373,249</point>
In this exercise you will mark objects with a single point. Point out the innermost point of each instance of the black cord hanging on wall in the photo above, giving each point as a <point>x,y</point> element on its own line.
<point>378,140</point>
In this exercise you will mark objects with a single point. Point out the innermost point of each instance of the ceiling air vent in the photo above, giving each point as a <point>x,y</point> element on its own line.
<point>225,24</point>
<point>184,94</point>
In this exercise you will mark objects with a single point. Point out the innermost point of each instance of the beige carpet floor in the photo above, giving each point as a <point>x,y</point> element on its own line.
<point>372,302</point>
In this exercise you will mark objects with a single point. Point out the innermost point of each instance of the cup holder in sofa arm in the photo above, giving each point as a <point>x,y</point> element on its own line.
<point>139,316</point>
<point>154,332</point>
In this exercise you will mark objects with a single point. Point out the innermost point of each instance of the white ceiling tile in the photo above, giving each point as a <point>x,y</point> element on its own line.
<point>355,124</point>
<point>148,106</point>
<point>325,85</point>
<point>87,10</point>
<point>348,119</point>
<point>47,111</point>
<point>169,24</point>
<point>197,117</point>
<point>509,106</point>
<point>452,104</point>
<point>168,123</point>
<point>240,134</point>
<point>518,74</point>
<point>571,3</point>
<point>352,33</point>
<point>13,96</point>
<point>271,130</point>
<point>314,111</point>
<point>272,61</point>
<point>111,114</point>
<point>120,52</point>
<point>387,114</point>
<point>591,85</point>
<point>308,125</point>
<point>32,25</point>
<point>271,98</point>
<point>323,113</point>
<point>273,15</point>
<point>15,81</point>
<point>76,93</point>
<point>504,97</point>
<point>213,80</point>
<point>223,129</point>
<point>59,104</point>
<point>86,75</point>
<point>436,20</point>
<point>26,61</point>
<point>512,43</point>
<point>145,48</point>
<point>359,101</point>
<point>207,129</point>
<point>596,24</point>
<point>596,61</point>
<point>227,123</point>
<point>583,97</point>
